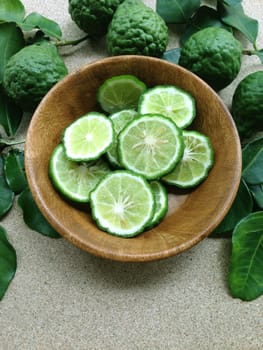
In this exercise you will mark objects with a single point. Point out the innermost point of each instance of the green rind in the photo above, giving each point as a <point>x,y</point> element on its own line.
<point>162,171</point>
<point>58,185</point>
<point>119,79</point>
<point>114,161</point>
<point>99,153</point>
<point>163,209</point>
<point>206,170</point>
<point>109,230</point>
<point>158,88</point>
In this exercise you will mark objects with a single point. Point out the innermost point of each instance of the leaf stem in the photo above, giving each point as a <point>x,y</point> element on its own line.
<point>10,142</point>
<point>249,52</point>
<point>71,42</point>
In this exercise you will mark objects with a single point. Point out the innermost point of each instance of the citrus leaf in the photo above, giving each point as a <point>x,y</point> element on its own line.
<point>230,2</point>
<point>252,159</point>
<point>11,11</point>
<point>176,11</point>
<point>204,17</point>
<point>46,25</point>
<point>257,192</point>
<point>33,218</point>
<point>172,55</point>
<point>8,262</point>
<point>11,41</point>
<point>10,114</point>
<point>14,170</point>
<point>6,194</point>
<point>234,16</point>
<point>246,263</point>
<point>259,53</point>
<point>241,207</point>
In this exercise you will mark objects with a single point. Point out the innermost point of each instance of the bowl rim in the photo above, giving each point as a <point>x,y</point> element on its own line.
<point>90,248</point>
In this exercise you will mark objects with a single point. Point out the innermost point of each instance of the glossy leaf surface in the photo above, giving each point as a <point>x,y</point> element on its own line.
<point>33,217</point>
<point>14,170</point>
<point>172,55</point>
<point>259,53</point>
<point>35,20</point>
<point>11,41</point>
<point>241,207</point>
<point>204,17</point>
<point>230,2</point>
<point>176,11</point>
<point>257,191</point>
<point>6,194</point>
<point>10,114</point>
<point>234,16</point>
<point>246,264</point>
<point>252,159</point>
<point>11,11</point>
<point>8,262</point>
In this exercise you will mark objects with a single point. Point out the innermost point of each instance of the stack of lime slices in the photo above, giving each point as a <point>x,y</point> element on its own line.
<point>120,159</point>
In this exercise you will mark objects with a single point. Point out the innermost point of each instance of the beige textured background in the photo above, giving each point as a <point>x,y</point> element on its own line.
<point>63,298</point>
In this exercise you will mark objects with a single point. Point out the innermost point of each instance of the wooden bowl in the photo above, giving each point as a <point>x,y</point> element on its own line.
<point>192,215</point>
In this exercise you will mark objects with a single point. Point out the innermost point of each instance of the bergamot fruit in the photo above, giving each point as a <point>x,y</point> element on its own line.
<point>136,29</point>
<point>93,16</point>
<point>247,105</point>
<point>213,54</point>
<point>31,72</point>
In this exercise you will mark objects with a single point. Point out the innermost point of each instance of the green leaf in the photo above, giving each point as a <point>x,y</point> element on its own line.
<point>257,192</point>
<point>35,20</point>
<point>14,170</point>
<point>252,159</point>
<point>234,16</point>
<point>172,55</point>
<point>33,217</point>
<point>10,114</point>
<point>259,53</point>
<point>11,11</point>
<point>11,41</point>
<point>230,2</point>
<point>241,207</point>
<point>204,17</point>
<point>176,11</point>
<point>246,264</point>
<point>6,194</point>
<point>8,262</point>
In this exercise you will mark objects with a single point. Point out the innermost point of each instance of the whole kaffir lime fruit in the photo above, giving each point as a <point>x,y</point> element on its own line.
<point>247,104</point>
<point>213,54</point>
<point>93,16</point>
<point>31,73</point>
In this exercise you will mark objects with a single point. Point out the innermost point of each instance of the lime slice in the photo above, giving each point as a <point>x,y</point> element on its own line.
<point>72,179</point>
<point>197,160</point>
<point>120,92</point>
<point>150,145</point>
<point>88,137</point>
<point>120,120</point>
<point>161,203</point>
<point>122,203</point>
<point>170,101</point>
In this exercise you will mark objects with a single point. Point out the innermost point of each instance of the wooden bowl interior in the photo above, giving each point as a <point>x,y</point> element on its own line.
<point>192,214</point>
